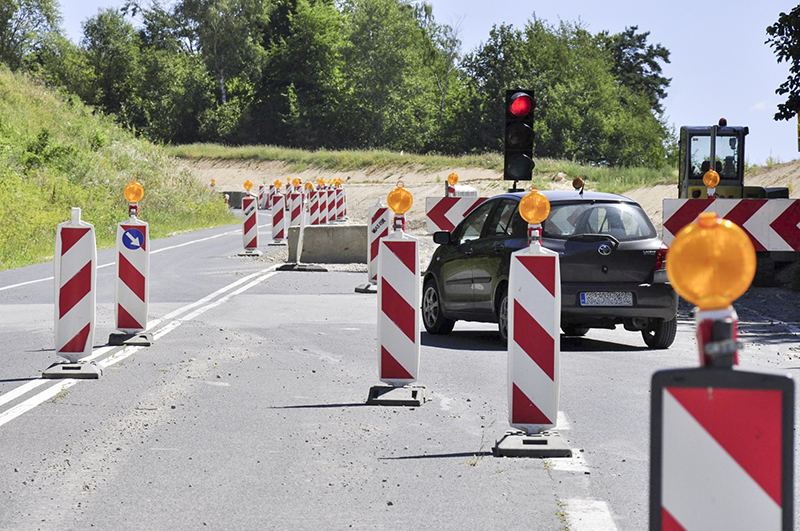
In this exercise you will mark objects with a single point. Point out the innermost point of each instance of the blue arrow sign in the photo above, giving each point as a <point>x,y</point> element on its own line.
<point>133,239</point>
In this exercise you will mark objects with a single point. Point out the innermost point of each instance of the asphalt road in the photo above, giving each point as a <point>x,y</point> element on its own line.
<point>248,411</point>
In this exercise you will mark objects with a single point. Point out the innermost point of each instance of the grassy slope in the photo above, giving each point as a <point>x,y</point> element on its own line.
<point>56,154</point>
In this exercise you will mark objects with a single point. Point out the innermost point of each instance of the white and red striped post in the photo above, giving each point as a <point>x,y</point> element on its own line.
<point>250,225</point>
<point>379,221</point>
<point>270,195</point>
<point>313,207</point>
<point>132,288</point>
<point>398,316</point>
<point>262,197</point>
<point>296,207</point>
<point>278,219</point>
<point>75,266</point>
<point>331,200</point>
<point>721,440</point>
<point>339,203</point>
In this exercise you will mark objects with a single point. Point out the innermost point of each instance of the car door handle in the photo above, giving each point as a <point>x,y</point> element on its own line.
<point>468,251</point>
<point>498,247</point>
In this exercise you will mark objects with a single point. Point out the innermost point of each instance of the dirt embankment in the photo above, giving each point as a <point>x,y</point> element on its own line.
<point>365,188</point>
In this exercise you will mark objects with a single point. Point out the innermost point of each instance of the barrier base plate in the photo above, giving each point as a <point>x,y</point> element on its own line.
<point>137,339</point>
<point>367,288</point>
<point>519,444</point>
<point>302,267</point>
<point>84,371</point>
<point>248,252</point>
<point>274,243</point>
<point>408,395</point>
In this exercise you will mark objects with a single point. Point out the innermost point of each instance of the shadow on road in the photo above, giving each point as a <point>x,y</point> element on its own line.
<point>9,380</point>
<point>583,344</point>
<point>464,340</point>
<point>436,456</point>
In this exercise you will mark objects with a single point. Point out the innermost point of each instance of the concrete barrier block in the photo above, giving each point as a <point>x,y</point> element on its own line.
<point>330,244</point>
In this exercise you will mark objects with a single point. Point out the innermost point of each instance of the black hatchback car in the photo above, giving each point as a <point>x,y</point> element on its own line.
<point>612,266</point>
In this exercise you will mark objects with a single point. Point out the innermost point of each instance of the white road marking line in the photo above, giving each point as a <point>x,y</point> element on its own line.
<point>576,463</point>
<point>112,263</point>
<point>120,355</point>
<point>589,515</point>
<point>562,422</point>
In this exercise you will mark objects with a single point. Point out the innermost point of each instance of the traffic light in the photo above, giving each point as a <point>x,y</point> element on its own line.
<point>518,163</point>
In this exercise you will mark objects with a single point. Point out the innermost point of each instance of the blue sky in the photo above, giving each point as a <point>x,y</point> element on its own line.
<point>719,66</point>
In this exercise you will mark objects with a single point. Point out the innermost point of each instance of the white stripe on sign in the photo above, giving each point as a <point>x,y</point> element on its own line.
<point>703,487</point>
<point>121,352</point>
<point>589,515</point>
<point>536,300</point>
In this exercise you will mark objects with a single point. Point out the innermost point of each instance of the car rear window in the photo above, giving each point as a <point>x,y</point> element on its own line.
<point>624,221</point>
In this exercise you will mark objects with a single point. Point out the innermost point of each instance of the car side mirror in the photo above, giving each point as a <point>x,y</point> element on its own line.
<point>442,237</point>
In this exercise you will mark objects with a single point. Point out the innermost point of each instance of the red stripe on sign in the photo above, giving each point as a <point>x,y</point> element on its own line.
<point>378,214</point>
<point>74,290</point>
<point>669,523</point>
<point>524,411</point>
<point>253,243</point>
<point>687,213</point>
<point>398,310</point>
<point>438,213</point>
<point>746,423</point>
<point>786,225</point>
<point>249,222</point>
<point>534,340</point>
<point>405,251</point>
<point>742,212</point>
<point>376,243</point>
<point>77,343</point>
<point>391,368</point>
<point>126,320</point>
<point>70,237</point>
<point>140,228</point>
<point>543,269</point>
<point>131,277</point>
<point>277,217</point>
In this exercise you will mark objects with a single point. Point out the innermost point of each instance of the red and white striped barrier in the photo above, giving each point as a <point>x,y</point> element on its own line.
<point>313,207</point>
<point>534,321</point>
<point>75,282</point>
<point>131,296</point>
<point>262,197</point>
<point>722,450</point>
<point>250,224</point>
<point>278,218</point>
<point>270,195</point>
<point>444,213</point>
<point>296,208</point>
<point>398,309</point>
<point>772,224</point>
<point>339,203</point>
<point>323,206</point>
<point>331,200</point>
<point>380,219</point>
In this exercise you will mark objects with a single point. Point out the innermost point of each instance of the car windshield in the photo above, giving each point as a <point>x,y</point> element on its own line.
<point>623,221</point>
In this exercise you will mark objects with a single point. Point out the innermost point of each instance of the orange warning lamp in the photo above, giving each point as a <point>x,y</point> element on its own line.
<point>248,185</point>
<point>711,179</point>
<point>577,183</point>
<point>534,207</point>
<point>452,179</point>
<point>711,262</point>
<point>296,182</point>
<point>278,183</point>
<point>400,199</point>
<point>213,182</point>
<point>134,192</point>
<point>309,186</point>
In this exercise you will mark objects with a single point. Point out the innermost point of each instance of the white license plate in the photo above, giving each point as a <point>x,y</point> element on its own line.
<point>607,298</point>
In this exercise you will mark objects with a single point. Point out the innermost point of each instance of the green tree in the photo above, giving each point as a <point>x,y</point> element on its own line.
<point>25,26</point>
<point>784,38</point>
<point>637,64</point>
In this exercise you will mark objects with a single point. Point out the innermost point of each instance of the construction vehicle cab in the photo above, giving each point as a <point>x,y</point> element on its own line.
<point>698,145</point>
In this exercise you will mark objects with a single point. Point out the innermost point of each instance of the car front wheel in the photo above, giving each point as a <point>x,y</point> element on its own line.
<point>432,316</point>
<point>502,313</point>
<point>660,334</point>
